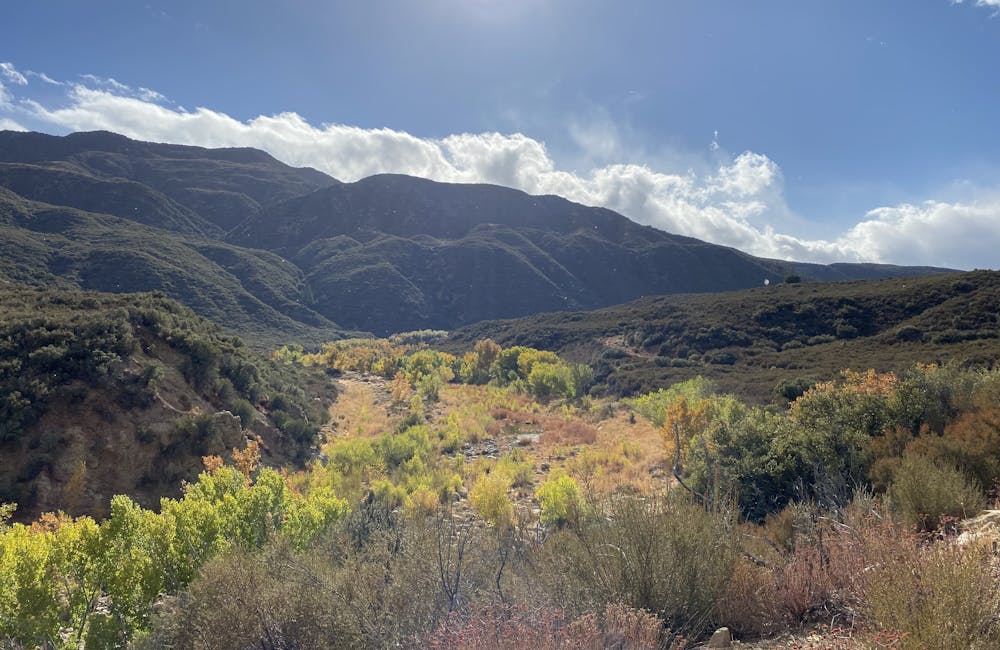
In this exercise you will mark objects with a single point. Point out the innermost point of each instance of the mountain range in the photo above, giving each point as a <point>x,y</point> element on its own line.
<point>279,253</point>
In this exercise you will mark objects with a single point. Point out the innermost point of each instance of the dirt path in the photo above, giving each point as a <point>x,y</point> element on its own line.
<point>616,343</point>
<point>363,408</point>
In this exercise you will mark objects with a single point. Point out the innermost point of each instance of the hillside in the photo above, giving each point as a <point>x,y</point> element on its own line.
<point>123,394</point>
<point>251,292</point>
<point>223,186</point>
<point>277,253</point>
<point>392,253</point>
<point>752,341</point>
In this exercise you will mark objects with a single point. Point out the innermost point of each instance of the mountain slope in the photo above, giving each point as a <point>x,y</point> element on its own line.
<point>280,253</point>
<point>253,292</point>
<point>392,252</point>
<point>223,186</point>
<point>64,183</point>
<point>750,341</point>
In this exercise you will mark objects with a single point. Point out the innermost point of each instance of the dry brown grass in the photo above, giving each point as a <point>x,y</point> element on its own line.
<point>363,409</point>
<point>624,455</point>
<point>932,595</point>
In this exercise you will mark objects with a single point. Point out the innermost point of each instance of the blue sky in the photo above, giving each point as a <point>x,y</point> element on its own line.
<point>853,130</point>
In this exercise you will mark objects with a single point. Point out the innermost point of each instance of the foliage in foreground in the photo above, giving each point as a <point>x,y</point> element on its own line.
<point>250,558</point>
<point>63,580</point>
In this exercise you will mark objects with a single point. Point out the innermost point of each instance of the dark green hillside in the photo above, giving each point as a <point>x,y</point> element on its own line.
<point>391,253</point>
<point>126,393</point>
<point>66,184</point>
<point>251,292</point>
<point>840,272</point>
<point>223,186</point>
<point>752,341</point>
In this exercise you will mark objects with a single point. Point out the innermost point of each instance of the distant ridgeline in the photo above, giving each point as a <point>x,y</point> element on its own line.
<point>763,343</point>
<point>278,253</point>
<point>106,394</point>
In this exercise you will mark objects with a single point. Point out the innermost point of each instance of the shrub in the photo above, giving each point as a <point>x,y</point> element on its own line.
<point>791,389</point>
<point>934,597</point>
<point>548,380</point>
<point>909,333</point>
<point>561,501</point>
<point>494,628</point>
<point>490,500</point>
<point>401,447</point>
<point>475,365</point>
<point>244,600</point>
<point>653,406</point>
<point>666,555</point>
<point>924,492</point>
<point>970,443</point>
<point>244,410</point>
<point>721,357</point>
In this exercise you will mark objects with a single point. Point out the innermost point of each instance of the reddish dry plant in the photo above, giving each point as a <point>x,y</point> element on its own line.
<point>573,432</point>
<point>212,463</point>
<point>247,460</point>
<point>815,581</point>
<point>887,640</point>
<point>503,628</point>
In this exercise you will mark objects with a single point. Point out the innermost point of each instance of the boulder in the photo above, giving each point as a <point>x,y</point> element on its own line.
<point>722,638</point>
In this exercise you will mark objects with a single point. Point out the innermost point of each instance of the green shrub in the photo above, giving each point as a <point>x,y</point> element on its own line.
<point>399,448</point>
<point>490,500</point>
<point>547,380</point>
<point>244,410</point>
<point>790,390</point>
<point>561,501</point>
<point>923,492</point>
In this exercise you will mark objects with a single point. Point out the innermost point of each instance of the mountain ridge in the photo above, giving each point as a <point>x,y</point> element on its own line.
<point>384,254</point>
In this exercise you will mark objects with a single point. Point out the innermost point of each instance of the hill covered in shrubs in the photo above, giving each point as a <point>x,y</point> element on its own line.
<point>769,343</point>
<point>103,394</point>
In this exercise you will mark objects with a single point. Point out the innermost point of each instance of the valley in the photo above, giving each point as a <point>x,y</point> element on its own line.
<point>247,405</point>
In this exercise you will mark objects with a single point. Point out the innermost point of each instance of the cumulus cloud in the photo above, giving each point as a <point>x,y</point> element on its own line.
<point>736,202</point>
<point>953,233</point>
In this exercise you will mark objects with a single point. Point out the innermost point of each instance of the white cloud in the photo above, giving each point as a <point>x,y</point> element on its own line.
<point>10,74</point>
<point>981,3</point>
<point>109,83</point>
<point>7,124</point>
<point>956,234</point>
<point>147,95</point>
<point>44,77</point>
<point>737,202</point>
